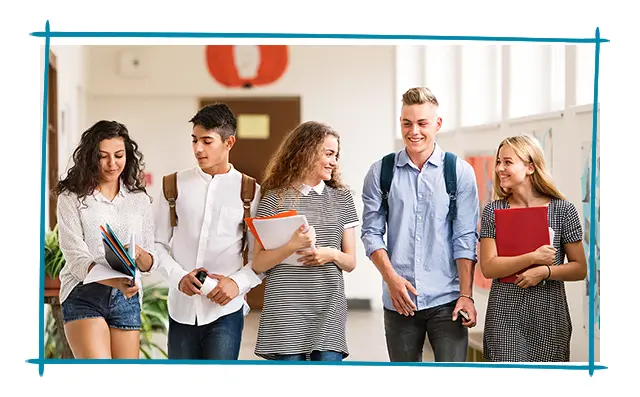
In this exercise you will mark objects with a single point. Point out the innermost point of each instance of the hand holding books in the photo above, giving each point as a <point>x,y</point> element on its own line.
<point>122,268</point>
<point>525,232</point>
<point>545,255</point>
<point>303,238</point>
<point>124,285</point>
<point>284,229</point>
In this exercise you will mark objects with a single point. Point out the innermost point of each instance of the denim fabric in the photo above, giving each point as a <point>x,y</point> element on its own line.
<point>316,355</point>
<point>406,335</point>
<point>96,300</point>
<point>422,243</point>
<point>219,340</point>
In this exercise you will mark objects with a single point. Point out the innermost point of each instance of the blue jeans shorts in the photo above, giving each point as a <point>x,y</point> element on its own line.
<point>96,300</point>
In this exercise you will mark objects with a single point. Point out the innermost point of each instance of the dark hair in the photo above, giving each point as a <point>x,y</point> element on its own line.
<point>84,176</point>
<point>216,117</point>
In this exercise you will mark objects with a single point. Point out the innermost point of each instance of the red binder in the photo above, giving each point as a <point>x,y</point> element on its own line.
<point>520,231</point>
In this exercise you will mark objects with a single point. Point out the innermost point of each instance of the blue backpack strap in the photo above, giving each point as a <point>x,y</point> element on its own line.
<point>386,175</point>
<point>450,179</point>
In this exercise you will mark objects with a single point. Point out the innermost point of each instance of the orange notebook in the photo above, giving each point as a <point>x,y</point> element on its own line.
<point>252,228</point>
<point>520,231</point>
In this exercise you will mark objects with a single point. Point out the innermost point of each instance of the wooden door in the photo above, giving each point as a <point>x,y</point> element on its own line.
<point>52,137</point>
<point>253,147</point>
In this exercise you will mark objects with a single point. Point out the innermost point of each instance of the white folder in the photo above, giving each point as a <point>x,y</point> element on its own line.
<point>276,232</point>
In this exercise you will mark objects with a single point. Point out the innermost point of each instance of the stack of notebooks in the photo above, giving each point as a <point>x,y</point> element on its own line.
<point>273,232</point>
<point>119,259</point>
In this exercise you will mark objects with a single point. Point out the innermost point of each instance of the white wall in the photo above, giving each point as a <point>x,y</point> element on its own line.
<point>71,102</point>
<point>349,87</point>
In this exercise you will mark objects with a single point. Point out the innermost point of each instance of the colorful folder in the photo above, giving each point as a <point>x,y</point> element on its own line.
<point>117,257</point>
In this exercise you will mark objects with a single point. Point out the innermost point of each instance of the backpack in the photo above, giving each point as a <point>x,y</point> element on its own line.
<point>450,179</point>
<point>247,191</point>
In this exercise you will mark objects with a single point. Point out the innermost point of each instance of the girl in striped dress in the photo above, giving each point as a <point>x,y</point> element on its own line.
<point>305,308</point>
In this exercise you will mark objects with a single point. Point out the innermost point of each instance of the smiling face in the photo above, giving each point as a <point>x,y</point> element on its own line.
<point>510,168</point>
<point>328,159</point>
<point>113,158</point>
<point>419,123</point>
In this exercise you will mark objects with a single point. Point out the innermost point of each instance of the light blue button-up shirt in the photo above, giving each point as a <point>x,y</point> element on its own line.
<point>421,242</point>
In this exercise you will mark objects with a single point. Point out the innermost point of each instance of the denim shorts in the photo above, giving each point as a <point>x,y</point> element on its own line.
<point>96,300</point>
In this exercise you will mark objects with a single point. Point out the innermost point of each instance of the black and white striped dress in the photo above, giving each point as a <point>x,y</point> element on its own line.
<point>531,324</point>
<point>305,307</point>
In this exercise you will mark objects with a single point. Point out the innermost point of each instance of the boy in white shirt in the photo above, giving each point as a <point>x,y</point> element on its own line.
<point>206,233</point>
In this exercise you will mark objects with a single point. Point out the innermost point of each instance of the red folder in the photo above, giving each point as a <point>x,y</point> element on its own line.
<point>520,231</point>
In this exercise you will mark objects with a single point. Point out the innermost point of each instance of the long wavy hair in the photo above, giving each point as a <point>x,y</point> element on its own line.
<point>296,158</point>
<point>528,149</point>
<point>84,176</point>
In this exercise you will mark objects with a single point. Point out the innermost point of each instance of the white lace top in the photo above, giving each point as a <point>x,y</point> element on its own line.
<point>79,231</point>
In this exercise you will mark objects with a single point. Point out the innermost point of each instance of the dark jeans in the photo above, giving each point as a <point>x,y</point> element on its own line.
<point>316,355</point>
<point>406,335</point>
<point>219,340</point>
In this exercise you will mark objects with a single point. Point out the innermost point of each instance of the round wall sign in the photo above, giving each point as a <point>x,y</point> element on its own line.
<point>222,63</point>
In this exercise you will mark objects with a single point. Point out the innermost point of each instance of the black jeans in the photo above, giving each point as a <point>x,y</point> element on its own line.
<point>406,335</point>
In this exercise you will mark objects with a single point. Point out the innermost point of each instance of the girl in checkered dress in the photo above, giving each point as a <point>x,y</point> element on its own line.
<point>528,320</point>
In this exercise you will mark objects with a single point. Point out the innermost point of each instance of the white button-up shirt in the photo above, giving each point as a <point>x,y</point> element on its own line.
<point>208,234</point>
<point>79,231</point>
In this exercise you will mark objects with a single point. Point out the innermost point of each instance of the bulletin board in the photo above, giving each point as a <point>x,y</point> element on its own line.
<point>483,165</point>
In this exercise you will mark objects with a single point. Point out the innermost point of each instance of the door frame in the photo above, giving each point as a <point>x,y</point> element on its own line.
<point>255,296</point>
<point>203,101</point>
<point>52,136</point>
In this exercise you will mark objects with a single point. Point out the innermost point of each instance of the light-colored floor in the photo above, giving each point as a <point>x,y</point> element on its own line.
<point>365,337</point>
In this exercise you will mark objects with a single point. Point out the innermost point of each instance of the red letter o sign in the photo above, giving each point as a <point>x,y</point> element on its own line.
<point>222,66</point>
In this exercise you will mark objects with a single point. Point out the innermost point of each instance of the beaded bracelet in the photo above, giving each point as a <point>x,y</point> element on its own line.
<point>468,297</point>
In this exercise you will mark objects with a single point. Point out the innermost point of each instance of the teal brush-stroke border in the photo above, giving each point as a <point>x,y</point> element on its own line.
<point>48,34</point>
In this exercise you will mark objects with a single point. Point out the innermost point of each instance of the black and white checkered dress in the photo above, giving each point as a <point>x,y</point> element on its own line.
<point>531,324</point>
<point>305,307</point>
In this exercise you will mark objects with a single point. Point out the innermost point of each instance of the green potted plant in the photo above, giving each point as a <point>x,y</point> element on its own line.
<point>53,260</point>
<point>154,317</point>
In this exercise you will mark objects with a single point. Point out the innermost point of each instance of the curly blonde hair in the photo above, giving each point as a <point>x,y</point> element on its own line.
<point>295,158</point>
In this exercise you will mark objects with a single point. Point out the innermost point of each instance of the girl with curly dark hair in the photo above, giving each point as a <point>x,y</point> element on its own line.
<point>305,308</point>
<point>104,186</point>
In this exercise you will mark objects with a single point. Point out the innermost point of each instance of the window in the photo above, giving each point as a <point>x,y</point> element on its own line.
<point>526,85</point>
<point>409,73</point>
<point>481,85</point>
<point>558,77</point>
<point>585,70</point>
<point>469,81</point>
<point>440,78</point>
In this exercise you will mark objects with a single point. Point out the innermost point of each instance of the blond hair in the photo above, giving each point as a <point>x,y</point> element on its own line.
<point>419,96</point>
<point>529,150</point>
